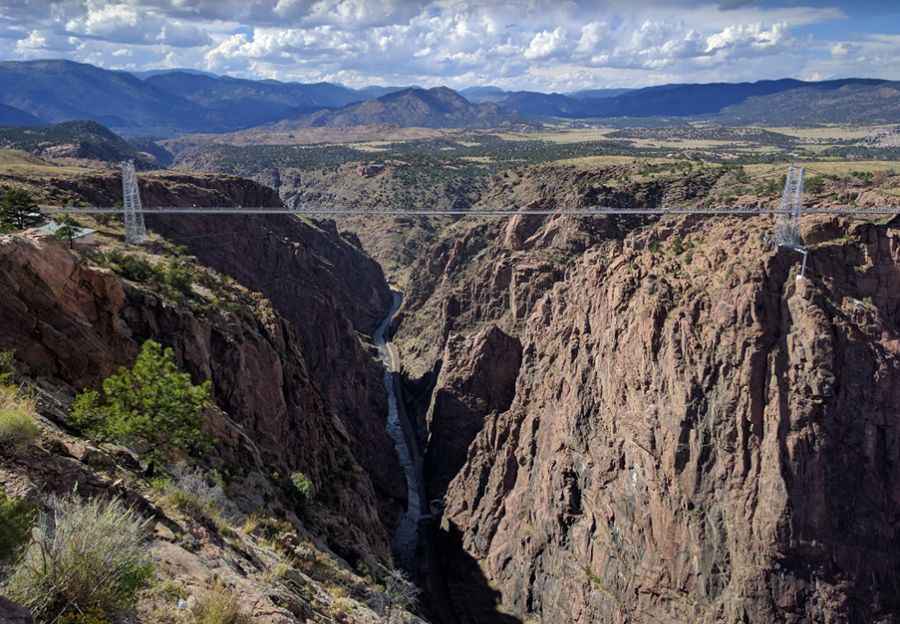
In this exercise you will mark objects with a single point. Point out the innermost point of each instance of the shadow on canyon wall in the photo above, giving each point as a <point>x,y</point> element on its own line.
<point>456,591</point>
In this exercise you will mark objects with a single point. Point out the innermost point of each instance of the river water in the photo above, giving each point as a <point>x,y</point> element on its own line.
<point>407,535</point>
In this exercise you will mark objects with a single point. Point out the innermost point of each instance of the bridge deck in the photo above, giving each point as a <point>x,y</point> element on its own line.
<point>599,211</point>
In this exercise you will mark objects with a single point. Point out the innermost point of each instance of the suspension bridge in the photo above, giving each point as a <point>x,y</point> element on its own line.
<point>786,232</point>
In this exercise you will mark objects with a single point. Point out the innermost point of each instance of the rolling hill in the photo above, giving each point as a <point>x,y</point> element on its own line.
<point>851,103</point>
<point>75,139</point>
<point>439,107</point>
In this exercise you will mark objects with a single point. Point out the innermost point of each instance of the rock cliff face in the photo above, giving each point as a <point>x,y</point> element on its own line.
<point>70,323</point>
<point>478,379</point>
<point>304,386</point>
<point>319,281</point>
<point>695,435</point>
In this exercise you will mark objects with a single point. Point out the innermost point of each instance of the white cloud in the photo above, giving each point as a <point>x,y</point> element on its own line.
<point>120,23</point>
<point>593,35</point>
<point>840,50</point>
<point>530,44</point>
<point>545,44</point>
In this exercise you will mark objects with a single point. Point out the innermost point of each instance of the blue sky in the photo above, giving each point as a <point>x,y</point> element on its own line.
<point>547,45</point>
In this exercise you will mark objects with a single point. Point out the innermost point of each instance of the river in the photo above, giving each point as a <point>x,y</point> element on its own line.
<point>406,536</point>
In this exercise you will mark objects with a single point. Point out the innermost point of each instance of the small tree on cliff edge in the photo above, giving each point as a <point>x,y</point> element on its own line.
<point>68,228</point>
<point>18,210</point>
<point>153,407</point>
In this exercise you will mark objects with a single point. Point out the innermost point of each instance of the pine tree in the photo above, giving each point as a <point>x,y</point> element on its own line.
<point>153,406</point>
<point>18,210</point>
<point>68,227</point>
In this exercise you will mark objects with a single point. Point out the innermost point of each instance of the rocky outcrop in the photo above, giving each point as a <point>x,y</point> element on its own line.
<point>477,380</point>
<point>696,435</point>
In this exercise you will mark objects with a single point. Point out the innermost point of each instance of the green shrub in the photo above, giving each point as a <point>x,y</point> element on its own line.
<point>91,616</point>
<point>152,406</point>
<point>303,487</point>
<point>16,519</point>
<point>7,367</point>
<point>220,605</point>
<point>85,556</point>
<point>175,278</point>
<point>815,184</point>
<point>129,266</point>
<point>17,420</point>
<point>179,277</point>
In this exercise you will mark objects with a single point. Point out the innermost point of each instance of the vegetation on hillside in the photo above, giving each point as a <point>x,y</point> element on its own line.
<point>16,519</point>
<point>152,406</point>
<point>74,139</point>
<point>85,556</point>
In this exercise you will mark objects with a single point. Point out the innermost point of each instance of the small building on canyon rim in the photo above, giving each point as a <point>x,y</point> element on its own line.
<point>81,237</point>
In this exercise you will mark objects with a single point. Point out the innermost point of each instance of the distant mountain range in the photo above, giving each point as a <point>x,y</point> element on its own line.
<point>166,102</point>
<point>158,102</point>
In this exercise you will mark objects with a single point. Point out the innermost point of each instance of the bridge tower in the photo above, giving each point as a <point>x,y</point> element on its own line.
<point>135,231</point>
<point>787,227</point>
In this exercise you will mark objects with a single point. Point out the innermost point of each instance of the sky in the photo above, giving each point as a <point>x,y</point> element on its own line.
<point>545,45</point>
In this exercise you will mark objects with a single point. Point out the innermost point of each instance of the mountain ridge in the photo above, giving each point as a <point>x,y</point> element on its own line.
<point>168,102</point>
<point>428,108</point>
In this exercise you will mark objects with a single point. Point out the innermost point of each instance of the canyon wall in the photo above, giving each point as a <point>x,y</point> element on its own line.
<point>695,434</point>
<point>299,377</point>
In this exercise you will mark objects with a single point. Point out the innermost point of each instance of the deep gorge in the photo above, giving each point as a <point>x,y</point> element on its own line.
<point>615,426</point>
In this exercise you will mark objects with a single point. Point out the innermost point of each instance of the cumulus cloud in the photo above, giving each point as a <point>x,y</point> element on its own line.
<point>121,23</point>
<point>534,44</point>
<point>545,44</point>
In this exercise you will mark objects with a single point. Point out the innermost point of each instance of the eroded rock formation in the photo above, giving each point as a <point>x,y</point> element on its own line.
<point>695,435</point>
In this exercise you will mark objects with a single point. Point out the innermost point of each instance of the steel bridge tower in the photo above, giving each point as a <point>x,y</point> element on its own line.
<point>787,228</point>
<point>135,230</point>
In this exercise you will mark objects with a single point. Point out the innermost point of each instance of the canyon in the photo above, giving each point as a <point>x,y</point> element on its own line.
<point>610,419</point>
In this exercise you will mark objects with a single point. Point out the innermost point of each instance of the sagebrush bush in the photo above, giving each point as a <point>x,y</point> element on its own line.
<point>152,406</point>
<point>198,494</point>
<point>85,556</point>
<point>16,519</point>
<point>220,606</point>
<point>18,427</point>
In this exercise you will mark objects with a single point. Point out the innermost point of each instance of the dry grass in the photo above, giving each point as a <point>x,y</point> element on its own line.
<point>827,132</point>
<point>830,167</point>
<point>220,605</point>
<point>580,135</point>
<point>15,162</point>
<point>591,162</point>
<point>18,427</point>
